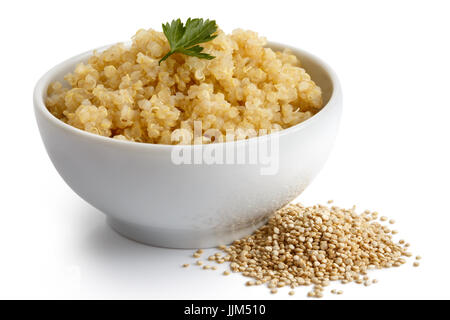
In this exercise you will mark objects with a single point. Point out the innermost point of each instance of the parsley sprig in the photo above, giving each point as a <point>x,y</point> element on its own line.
<point>186,38</point>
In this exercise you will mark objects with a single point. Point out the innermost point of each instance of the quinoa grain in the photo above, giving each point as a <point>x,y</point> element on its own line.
<point>300,246</point>
<point>124,93</point>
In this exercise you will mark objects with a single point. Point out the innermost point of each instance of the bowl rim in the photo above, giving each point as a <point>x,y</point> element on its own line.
<point>42,84</point>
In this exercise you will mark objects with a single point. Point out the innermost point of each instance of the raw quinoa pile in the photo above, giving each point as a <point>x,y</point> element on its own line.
<point>314,246</point>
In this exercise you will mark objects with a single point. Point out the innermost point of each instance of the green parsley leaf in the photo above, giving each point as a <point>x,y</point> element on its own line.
<point>185,39</point>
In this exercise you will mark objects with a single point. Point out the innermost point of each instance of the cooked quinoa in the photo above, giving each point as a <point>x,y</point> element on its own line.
<point>125,94</point>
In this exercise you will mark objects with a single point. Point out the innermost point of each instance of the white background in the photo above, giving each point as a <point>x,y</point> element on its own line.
<point>391,154</point>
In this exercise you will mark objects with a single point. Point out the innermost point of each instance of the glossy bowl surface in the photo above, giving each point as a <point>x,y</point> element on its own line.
<point>149,198</point>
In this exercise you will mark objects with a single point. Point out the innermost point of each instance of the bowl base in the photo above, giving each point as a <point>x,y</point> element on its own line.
<point>180,239</point>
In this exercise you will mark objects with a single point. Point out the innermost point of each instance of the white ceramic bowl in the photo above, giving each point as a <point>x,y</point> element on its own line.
<point>148,198</point>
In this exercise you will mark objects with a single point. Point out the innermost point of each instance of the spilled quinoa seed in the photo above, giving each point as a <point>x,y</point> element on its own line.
<point>316,245</point>
<point>123,92</point>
